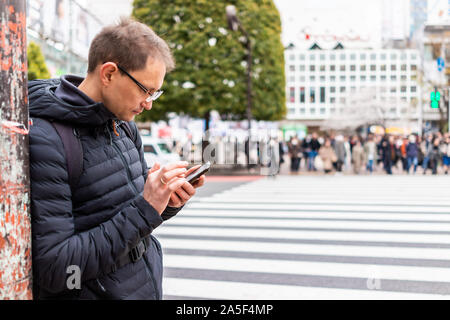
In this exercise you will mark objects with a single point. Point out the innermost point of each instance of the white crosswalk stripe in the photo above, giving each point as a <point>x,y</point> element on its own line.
<point>301,237</point>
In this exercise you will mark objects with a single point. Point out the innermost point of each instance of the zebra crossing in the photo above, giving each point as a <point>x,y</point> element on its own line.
<point>312,237</point>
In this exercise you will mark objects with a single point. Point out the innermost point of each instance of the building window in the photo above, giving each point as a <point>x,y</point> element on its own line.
<point>302,67</point>
<point>332,100</point>
<point>403,56</point>
<point>312,57</point>
<point>342,89</point>
<point>322,94</point>
<point>332,56</point>
<point>393,90</point>
<point>291,68</point>
<point>302,79</point>
<point>302,110</point>
<point>352,78</point>
<point>333,110</point>
<point>352,67</point>
<point>312,111</point>
<point>292,94</point>
<point>322,68</point>
<point>413,56</point>
<point>362,56</point>
<point>342,56</point>
<point>393,67</point>
<point>332,89</point>
<point>312,68</point>
<point>362,67</point>
<point>291,111</point>
<point>383,56</point>
<point>291,79</point>
<point>413,67</point>
<point>403,89</point>
<point>353,56</point>
<point>393,78</point>
<point>403,67</point>
<point>342,67</point>
<point>342,100</point>
<point>383,78</point>
<point>292,57</point>
<point>413,77</point>
<point>302,94</point>
<point>373,56</point>
<point>312,78</point>
<point>342,78</point>
<point>373,67</point>
<point>332,67</point>
<point>322,110</point>
<point>393,56</point>
<point>363,78</point>
<point>312,95</point>
<point>322,78</point>
<point>302,57</point>
<point>322,57</point>
<point>373,78</point>
<point>383,67</point>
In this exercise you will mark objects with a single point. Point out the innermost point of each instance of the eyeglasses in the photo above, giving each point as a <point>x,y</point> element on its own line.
<point>151,96</point>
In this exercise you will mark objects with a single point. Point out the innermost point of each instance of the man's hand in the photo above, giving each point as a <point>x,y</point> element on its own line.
<point>187,190</point>
<point>162,182</point>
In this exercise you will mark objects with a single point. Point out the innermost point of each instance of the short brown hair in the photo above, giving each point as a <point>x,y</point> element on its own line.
<point>129,43</point>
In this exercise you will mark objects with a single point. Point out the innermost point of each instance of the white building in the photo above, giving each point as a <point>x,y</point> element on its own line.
<point>322,83</point>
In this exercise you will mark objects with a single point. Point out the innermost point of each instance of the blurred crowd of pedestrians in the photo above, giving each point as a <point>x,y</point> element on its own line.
<point>389,154</point>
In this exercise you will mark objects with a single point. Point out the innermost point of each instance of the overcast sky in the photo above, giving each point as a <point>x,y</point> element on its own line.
<point>337,17</point>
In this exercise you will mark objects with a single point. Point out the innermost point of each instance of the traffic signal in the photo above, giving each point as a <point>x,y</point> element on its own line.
<point>435,98</point>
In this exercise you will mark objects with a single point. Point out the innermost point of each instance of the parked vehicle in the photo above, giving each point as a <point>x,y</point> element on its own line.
<point>157,150</point>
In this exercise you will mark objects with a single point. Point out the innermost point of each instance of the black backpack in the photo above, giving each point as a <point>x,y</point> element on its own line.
<point>74,150</point>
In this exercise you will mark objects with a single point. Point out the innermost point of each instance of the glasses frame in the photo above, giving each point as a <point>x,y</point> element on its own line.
<point>151,96</point>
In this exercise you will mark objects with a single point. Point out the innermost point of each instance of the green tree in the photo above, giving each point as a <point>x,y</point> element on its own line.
<point>36,63</point>
<point>211,67</point>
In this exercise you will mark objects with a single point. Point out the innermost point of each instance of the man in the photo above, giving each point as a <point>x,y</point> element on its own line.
<point>102,225</point>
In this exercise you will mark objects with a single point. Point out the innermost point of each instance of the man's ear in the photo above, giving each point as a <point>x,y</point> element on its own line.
<point>108,71</point>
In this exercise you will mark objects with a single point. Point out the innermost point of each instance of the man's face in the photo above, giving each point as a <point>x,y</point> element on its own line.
<point>125,99</point>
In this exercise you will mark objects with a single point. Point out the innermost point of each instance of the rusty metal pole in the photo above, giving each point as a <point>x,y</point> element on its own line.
<point>15,227</point>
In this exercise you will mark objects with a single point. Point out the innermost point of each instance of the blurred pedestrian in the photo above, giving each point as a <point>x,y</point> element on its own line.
<point>358,157</point>
<point>370,150</point>
<point>314,146</point>
<point>327,155</point>
<point>446,153</point>
<point>412,152</point>
<point>295,153</point>
<point>339,149</point>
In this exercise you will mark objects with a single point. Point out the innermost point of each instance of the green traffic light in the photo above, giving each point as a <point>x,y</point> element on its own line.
<point>438,96</point>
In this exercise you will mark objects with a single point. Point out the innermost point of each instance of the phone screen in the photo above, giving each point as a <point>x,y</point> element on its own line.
<point>198,173</point>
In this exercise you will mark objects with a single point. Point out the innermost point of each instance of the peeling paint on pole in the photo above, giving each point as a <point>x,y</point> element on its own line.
<point>15,227</point>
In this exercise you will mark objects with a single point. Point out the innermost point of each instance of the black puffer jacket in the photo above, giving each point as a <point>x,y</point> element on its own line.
<point>97,225</point>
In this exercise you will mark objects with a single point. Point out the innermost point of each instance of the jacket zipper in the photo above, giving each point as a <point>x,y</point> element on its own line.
<point>130,181</point>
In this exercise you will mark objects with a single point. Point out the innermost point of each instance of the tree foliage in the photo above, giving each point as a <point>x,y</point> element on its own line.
<point>37,68</point>
<point>210,58</point>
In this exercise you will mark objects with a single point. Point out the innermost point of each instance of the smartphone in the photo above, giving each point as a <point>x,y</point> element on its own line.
<point>198,173</point>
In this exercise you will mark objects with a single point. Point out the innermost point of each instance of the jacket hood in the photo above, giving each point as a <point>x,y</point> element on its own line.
<point>43,103</point>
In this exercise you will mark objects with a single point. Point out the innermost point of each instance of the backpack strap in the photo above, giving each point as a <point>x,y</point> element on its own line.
<point>73,150</point>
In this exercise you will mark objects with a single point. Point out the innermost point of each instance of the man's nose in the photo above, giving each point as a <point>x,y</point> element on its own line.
<point>147,105</point>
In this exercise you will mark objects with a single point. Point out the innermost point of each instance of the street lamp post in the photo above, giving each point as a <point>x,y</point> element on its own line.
<point>235,24</point>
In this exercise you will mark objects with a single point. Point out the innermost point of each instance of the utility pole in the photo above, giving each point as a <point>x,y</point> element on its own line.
<point>15,226</point>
